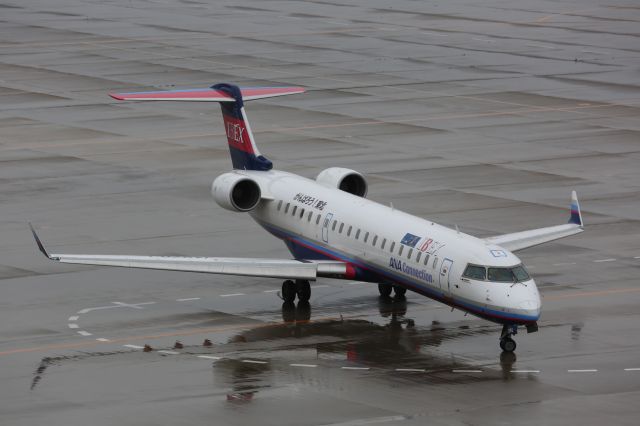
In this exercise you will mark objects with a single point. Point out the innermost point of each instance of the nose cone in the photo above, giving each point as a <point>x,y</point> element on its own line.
<point>531,304</point>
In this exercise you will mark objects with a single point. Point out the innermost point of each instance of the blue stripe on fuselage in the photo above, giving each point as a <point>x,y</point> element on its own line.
<point>371,273</point>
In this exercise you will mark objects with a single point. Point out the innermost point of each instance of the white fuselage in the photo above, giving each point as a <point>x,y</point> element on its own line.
<point>385,245</point>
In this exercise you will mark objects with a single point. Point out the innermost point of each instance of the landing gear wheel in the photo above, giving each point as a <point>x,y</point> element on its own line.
<point>399,291</point>
<point>508,344</point>
<point>288,291</point>
<point>303,289</point>
<point>385,289</point>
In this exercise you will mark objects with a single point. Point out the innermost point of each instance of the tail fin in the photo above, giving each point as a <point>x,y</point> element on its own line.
<point>576,214</point>
<point>242,145</point>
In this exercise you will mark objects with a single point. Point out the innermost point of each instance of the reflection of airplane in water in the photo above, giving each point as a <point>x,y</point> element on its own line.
<point>396,343</point>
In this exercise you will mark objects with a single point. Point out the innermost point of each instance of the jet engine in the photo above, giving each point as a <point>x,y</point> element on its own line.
<point>346,180</point>
<point>236,192</point>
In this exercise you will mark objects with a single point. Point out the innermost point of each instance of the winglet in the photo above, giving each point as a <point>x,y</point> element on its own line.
<point>39,243</point>
<point>576,215</point>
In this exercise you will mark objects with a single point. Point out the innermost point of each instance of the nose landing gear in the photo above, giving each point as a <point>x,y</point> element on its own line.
<point>507,344</point>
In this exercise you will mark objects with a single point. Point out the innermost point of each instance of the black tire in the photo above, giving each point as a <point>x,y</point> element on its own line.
<point>303,290</point>
<point>508,345</point>
<point>385,289</point>
<point>399,291</point>
<point>288,291</point>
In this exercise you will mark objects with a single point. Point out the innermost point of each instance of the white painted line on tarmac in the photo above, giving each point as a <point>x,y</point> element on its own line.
<point>232,294</point>
<point>525,371</point>
<point>84,333</point>
<point>540,45</point>
<point>188,299</point>
<point>370,421</point>
<point>253,361</point>
<point>411,370</point>
<point>355,368</point>
<point>320,286</point>
<point>74,318</point>
<point>209,357</point>
<point>356,282</point>
<point>73,326</point>
<point>564,263</point>
<point>605,260</point>
<point>116,305</point>
<point>636,257</point>
<point>632,369</point>
<point>102,339</point>
<point>433,34</point>
<point>589,370</point>
<point>271,291</point>
<point>169,352</point>
<point>466,371</point>
<point>133,346</point>
<point>482,39</point>
<point>304,365</point>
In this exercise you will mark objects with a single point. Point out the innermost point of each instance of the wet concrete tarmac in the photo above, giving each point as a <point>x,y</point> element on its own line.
<point>484,116</point>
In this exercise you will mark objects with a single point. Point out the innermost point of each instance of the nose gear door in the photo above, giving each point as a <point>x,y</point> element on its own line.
<point>445,269</point>
<point>325,227</point>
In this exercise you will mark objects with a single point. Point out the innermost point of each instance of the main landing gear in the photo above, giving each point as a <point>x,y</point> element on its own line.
<point>385,290</point>
<point>299,288</point>
<point>507,344</point>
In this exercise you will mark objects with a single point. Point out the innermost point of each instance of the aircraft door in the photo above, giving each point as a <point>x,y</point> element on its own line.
<point>445,269</point>
<point>325,227</point>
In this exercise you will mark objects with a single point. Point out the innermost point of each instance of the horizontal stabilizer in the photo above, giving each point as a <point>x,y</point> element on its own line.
<point>208,94</point>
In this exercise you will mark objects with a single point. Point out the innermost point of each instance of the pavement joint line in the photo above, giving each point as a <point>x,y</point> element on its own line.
<point>102,339</point>
<point>169,352</point>
<point>355,368</point>
<point>253,361</point>
<point>188,299</point>
<point>209,357</point>
<point>73,325</point>
<point>605,260</point>
<point>466,371</point>
<point>411,370</point>
<point>133,346</point>
<point>525,371</point>
<point>588,370</point>
<point>232,294</point>
<point>74,318</point>
<point>304,365</point>
<point>632,369</point>
<point>84,333</point>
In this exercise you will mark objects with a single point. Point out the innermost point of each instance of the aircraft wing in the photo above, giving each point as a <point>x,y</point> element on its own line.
<point>525,239</point>
<point>254,267</point>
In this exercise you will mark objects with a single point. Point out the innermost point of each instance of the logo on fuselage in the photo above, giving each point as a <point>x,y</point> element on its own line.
<point>420,274</point>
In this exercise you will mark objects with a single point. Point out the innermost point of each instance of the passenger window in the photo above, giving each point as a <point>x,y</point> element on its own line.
<point>435,262</point>
<point>384,241</point>
<point>375,239</point>
<point>318,220</point>
<point>426,260</point>
<point>409,254</point>
<point>293,212</point>
<point>286,208</point>
<point>366,237</point>
<point>301,213</point>
<point>341,228</point>
<point>400,250</point>
<point>357,234</point>
<point>279,205</point>
<point>418,256</point>
<point>349,231</point>
<point>393,245</point>
<point>310,216</point>
<point>335,222</point>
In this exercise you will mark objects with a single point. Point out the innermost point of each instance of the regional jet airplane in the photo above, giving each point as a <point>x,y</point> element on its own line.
<point>332,230</point>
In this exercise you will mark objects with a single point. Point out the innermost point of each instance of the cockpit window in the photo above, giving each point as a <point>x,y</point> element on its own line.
<point>501,275</point>
<point>475,272</point>
<point>521,274</point>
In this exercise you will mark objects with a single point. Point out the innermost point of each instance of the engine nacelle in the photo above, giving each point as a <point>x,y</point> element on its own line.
<point>236,192</point>
<point>346,180</point>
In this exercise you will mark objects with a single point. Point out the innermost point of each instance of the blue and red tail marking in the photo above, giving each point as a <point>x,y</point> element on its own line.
<point>242,146</point>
